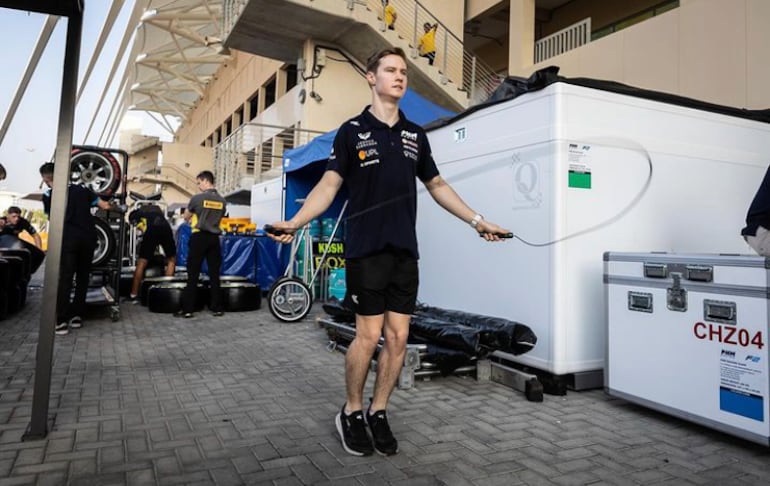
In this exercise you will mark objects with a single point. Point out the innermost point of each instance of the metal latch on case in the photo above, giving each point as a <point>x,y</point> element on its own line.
<point>655,270</point>
<point>676,296</point>
<point>640,301</point>
<point>720,311</point>
<point>700,273</point>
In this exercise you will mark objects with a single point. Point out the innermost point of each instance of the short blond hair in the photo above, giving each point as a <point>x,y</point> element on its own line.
<point>374,60</point>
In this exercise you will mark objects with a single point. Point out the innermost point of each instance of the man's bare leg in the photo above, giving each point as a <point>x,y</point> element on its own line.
<point>391,358</point>
<point>141,266</point>
<point>358,357</point>
<point>170,266</point>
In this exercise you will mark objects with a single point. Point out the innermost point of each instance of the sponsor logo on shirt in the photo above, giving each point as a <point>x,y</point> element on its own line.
<point>408,135</point>
<point>365,135</point>
<point>409,143</point>
<point>370,162</point>
<point>366,143</point>
<point>363,154</point>
<point>213,204</point>
<point>409,154</point>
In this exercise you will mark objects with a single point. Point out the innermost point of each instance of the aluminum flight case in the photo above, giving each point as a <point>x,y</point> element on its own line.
<point>687,336</point>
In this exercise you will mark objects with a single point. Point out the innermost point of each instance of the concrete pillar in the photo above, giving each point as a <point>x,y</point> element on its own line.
<point>521,37</point>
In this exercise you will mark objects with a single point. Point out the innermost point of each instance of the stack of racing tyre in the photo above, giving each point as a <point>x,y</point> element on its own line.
<point>164,294</point>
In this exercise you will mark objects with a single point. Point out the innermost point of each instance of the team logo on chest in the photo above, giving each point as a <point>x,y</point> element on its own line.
<point>365,140</point>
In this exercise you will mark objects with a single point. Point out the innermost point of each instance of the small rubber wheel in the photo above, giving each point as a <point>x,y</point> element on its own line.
<point>289,299</point>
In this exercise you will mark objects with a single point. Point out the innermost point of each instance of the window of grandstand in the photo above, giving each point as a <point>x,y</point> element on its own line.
<point>291,76</point>
<point>635,19</point>
<point>238,116</point>
<point>254,106</point>
<point>270,92</point>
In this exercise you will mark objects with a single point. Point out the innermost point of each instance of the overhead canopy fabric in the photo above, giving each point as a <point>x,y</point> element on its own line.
<point>303,171</point>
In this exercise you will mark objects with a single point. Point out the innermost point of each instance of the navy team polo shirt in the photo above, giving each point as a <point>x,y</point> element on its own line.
<point>759,211</point>
<point>379,165</point>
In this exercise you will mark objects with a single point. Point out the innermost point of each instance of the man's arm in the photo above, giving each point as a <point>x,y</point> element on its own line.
<point>319,199</point>
<point>33,232</point>
<point>447,198</point>
<point>102,204</point>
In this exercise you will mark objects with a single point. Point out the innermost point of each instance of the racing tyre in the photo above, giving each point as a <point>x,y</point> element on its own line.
<point>25,257</point>
<point>289,299</point>
<point>148,282</point>
<point>241,296</point>
<point>105,243</point>
<point>98,171</point>
<point>166,298</point>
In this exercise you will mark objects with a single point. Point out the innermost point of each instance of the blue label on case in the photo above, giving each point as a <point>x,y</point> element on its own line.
<point>750,406</point>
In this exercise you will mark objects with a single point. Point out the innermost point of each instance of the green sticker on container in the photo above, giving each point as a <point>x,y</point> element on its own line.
<point>580,180</point>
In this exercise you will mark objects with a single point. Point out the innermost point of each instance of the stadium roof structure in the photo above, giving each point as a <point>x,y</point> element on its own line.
<point>177,49</point>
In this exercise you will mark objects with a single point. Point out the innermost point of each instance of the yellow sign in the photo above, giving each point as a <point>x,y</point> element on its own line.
<point>335,256</point>
<point>212,204</point>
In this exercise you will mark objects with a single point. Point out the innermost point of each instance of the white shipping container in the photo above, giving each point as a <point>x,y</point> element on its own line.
<point>591,170</point>
<point>266,198</point>
<point>687,335</point>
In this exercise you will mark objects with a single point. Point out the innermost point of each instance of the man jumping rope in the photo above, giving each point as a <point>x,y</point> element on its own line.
<point>378,155</point>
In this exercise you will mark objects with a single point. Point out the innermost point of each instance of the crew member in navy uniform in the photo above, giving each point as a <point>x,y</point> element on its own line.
<point>757,230</point>
<point>77,251</point>
<point>16,223</point>
<point>378,155</point>
<point>204,212</point>
<point>156,231</point>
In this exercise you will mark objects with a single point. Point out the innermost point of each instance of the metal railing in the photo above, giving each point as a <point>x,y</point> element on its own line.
<point>137,169</point>
<point>464,69</point>
<point>179,176</point>
<point>253,149</point>
<point>151,172</point>
<point>564,40</point>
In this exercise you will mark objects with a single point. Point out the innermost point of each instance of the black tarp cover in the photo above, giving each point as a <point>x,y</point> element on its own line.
<point>513,87</point>
<point>474,334</point>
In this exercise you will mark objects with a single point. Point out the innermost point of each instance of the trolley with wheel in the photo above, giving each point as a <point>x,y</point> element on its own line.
<point>103,171</point>
<point>290,298</point>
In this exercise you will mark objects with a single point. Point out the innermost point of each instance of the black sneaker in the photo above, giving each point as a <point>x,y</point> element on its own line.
<point>62,328</point>
<point>218,313</point>
<point>352,430</point>
<point>76,322</point>
<point>384,442</point>
<point>184,314</point>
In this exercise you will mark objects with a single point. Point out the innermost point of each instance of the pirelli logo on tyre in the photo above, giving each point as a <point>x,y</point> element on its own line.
<point>213,204</point>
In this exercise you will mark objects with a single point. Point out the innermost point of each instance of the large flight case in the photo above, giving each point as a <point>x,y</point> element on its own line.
<point>687,335</point>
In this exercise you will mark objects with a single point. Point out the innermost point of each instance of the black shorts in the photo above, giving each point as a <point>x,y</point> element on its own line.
<point>157,236</point>
<point>380,282</point>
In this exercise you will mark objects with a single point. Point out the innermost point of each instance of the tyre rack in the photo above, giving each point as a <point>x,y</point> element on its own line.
<point>104,287</point>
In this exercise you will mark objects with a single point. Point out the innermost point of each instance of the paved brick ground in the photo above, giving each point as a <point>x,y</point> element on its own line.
<point>244,399</point>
